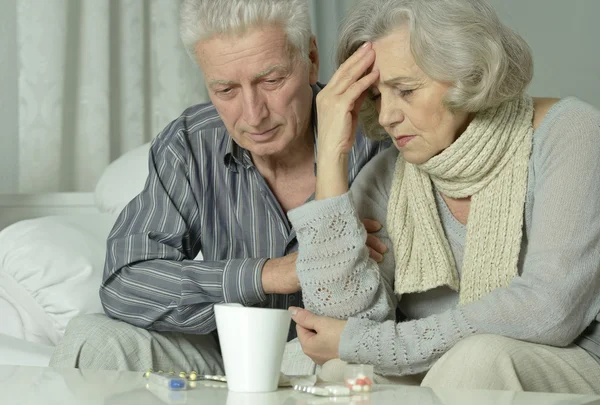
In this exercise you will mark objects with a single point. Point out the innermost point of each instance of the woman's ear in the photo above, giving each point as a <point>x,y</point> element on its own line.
<point>313,57</point>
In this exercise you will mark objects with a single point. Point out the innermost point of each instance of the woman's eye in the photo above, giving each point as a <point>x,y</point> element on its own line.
<point>405,93</point>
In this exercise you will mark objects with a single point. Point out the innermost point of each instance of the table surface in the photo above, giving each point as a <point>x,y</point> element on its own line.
<point>43,386</point>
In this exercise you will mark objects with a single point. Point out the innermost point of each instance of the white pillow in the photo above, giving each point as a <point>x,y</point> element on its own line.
<point>122,180</point>
<point>50,271</point>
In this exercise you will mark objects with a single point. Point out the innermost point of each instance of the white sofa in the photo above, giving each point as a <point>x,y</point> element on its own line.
<point>51,266</point>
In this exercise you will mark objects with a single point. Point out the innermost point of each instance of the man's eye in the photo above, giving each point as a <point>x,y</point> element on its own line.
<point>405,93</point>
<point>273,81</point>
<point>224,91</point>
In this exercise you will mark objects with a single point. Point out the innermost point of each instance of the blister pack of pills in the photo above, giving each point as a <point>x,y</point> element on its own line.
<point>325,391</point>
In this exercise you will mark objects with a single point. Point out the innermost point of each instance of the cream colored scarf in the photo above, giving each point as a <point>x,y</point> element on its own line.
<point>488,162</point>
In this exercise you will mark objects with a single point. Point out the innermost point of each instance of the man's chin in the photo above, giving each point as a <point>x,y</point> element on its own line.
<point>272,146</point>
<point>265,151</point>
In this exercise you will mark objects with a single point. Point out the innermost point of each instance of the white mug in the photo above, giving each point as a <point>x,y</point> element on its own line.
<point>252,344</point>
<point>257,398</point>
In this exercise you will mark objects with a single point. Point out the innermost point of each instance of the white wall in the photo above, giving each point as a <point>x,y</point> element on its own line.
<point>8,95</point>
<point>565,39</point>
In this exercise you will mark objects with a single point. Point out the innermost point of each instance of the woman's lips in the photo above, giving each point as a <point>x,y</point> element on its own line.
<point>402,140</point>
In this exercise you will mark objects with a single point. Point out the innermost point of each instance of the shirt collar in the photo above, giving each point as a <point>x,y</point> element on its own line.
<point>236,156</point>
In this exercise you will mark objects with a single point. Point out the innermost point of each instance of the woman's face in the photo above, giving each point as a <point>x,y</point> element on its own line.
<point>409,102</point>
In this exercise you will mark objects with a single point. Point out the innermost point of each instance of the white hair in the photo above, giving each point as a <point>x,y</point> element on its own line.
<point>461,42</point>
<point>203,19</point>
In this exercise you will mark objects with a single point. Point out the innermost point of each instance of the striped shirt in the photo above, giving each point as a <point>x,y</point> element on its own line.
<point>203,194</point>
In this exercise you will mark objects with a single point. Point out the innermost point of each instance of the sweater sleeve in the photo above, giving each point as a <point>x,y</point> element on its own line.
<point>557,294</point>
<point>337,276</point>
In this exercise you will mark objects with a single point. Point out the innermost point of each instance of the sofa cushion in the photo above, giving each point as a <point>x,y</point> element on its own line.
<point>122,180</point>
<point>50,271</point>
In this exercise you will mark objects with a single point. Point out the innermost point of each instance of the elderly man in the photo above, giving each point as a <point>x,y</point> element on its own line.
<point>222,178</point>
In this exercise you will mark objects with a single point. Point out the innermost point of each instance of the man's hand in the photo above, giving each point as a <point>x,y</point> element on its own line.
<point>319,336</point>
<point>279,275</point>
<point>376,247</point>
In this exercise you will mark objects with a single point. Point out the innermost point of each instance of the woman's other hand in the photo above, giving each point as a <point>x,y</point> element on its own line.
<point>319,335</point>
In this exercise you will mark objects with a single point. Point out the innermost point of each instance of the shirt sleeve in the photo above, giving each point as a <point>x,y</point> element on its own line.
<point>151,279</point>
<point>557,294</point>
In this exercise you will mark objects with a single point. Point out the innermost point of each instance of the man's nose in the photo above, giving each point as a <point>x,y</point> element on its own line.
<point>255,108</point>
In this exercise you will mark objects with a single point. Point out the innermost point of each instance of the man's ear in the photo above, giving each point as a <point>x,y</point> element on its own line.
<point>313,57</point>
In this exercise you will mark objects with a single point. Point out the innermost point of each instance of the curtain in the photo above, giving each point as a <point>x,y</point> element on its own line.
<point>97,78</point>
<point>326,16</point>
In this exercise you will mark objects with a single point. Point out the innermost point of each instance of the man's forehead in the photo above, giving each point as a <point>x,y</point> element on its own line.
<point>256,43</point>
<point>249,64</point>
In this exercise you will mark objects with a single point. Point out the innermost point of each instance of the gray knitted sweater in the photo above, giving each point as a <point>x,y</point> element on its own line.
<point>555,300</point>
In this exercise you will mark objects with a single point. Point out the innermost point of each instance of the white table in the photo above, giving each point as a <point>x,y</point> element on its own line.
<point>44,386</point>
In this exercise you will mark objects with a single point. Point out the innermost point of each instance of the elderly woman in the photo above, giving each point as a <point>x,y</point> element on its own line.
<point>490,200</point>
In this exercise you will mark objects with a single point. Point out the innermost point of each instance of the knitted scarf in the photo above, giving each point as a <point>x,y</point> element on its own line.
<point>489,163</point>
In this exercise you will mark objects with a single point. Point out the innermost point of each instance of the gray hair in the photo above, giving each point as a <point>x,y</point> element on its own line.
<point>203,19</point>
<point>461,42</point>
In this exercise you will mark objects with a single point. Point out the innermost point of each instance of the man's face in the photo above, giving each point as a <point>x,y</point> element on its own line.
<point>261,92</point>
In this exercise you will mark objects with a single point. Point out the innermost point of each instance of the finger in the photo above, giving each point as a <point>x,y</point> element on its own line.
<point>358,103</point>
<point>357,89</point>
<point>304,335</point>
<point>350,64</point>
<point>376,244</point>
<point>375,255</point>
<point>371,225</point>
<point>304,318</point>
<point>352,69</point>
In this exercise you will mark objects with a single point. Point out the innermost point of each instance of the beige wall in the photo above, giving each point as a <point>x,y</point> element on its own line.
<point>565,39</point>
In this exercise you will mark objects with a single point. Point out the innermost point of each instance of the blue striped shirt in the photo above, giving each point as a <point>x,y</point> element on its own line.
<point>203,193</point>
